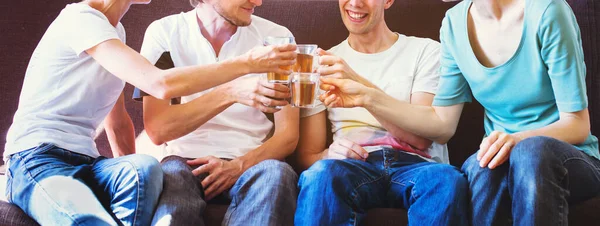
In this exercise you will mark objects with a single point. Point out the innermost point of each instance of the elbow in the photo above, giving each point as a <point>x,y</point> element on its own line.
<point>582,135</point>
<point>445,136</point>
<point>161,89</point>
<point>424,144</point>
<point>291,144</point>
<point>154,134</point>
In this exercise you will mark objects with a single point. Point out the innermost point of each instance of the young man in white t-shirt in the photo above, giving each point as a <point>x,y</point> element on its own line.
<point>373,163</point>
<point>218,145</point>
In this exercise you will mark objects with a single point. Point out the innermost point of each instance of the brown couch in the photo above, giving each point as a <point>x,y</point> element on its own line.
<point>311,21</point>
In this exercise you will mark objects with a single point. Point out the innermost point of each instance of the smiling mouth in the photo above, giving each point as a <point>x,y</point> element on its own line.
<point>251,10</point>
<point>355,15</point>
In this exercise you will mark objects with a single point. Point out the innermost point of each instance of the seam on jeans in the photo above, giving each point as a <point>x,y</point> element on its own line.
<point>139,190</point>
<point>48,198</point>
<point>138,181</point>
<point>354,195</point>
<point>582,159</point>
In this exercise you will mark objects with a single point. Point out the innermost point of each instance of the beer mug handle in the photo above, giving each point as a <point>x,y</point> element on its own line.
<point>315,65</point>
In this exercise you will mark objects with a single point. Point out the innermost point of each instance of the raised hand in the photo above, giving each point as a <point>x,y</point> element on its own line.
<point>343,93</point>
<point>258,93</point>
<point>271,58</point>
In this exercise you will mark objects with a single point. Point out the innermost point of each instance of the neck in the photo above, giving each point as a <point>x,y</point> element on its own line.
<point>114,10</point>
<point>494,9</point>
<point>377,40</point>
<point>216,29</point>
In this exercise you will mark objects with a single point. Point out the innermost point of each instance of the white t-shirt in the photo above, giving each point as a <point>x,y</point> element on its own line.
<point>235,131</point>
<point>66,93</point>
<point>409,66</point>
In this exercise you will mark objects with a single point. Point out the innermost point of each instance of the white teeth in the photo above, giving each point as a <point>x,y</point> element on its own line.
<point>356,15</point>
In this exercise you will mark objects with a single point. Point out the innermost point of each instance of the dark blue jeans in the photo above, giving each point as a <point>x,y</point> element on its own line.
<point>59,187</point>
<point>340,192</point>
<point>535,186</point>
<point>264,195</point>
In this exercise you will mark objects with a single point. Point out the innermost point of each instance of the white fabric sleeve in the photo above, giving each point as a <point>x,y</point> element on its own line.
<point>428,70</point>
<point>86,28</point>
<point>154,44</point>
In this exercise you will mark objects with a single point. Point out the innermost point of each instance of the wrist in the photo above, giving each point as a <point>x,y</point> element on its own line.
<point>367,97</point>
<point>240,164</point>
<point>242,63</point>
<point>226,92</point>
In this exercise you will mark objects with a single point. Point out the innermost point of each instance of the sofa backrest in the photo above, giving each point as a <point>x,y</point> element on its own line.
<point>311,21</point>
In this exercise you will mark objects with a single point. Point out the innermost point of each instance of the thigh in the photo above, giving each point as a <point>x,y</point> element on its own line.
<point>579,172</point>
<point>362,183</point>
<point>583,175</point>
<point>411,181</point>
<point>129,186</point>
<point>51,186</point>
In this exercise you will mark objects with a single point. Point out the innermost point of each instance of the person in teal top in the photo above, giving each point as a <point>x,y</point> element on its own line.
<point>523,61</point>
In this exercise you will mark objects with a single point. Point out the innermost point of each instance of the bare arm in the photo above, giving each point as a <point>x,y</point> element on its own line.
<point>127,64</point>
<point>223,174</point>
<point>165,122</point>
<point>119,129</point>
<point>421,143</point>
<point>572,128</point>
<point>434,123</point>
<point>312,141</point>
<point>281,144</point>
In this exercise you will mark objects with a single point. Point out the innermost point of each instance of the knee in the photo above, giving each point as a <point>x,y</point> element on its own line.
<point>325,172</point>
<point>471,165</point>
<point>174,165</point>
<point>275,171</point>
<point>147,169</point>
<point>534,152</point>
<point>449,178</point>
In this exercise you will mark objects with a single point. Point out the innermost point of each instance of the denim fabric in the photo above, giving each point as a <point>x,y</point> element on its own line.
<point>264,195</point>
<point>59,187</point>
<point>535,186</point>
<point>340,192</point>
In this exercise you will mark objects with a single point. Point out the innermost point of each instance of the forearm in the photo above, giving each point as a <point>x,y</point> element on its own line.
<point>176,121</point>
<point>121,137</point>
<point>277,147</point>
<point>183,81</point>
<point>572,129</point>
<point>303,159</point>
<point>421,121</point>
<point>418,142</point>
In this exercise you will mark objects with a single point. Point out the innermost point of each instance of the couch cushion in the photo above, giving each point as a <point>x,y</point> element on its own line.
<point>14,216</point>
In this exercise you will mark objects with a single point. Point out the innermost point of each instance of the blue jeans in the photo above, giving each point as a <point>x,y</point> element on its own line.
<point>536,185</point>
<point>264,195</point>
<point>340,192</point>
<point>55,186</point>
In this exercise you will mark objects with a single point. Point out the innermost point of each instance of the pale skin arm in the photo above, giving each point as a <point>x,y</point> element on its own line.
<point>439,123</point>
<point>335,67</point>
<point>119,129</point>
<point>223,174</point>
<point>130,66</point>
<point>421,143</point>
<point>165,122</point>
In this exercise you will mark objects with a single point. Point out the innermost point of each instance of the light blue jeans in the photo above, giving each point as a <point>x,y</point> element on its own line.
<point>55,186</point>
